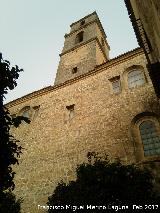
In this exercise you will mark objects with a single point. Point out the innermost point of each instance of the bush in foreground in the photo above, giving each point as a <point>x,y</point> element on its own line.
<point>101,182</point>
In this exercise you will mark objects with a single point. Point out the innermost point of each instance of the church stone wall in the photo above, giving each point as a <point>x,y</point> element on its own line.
<point>83,58</point>
<point>56,141</point>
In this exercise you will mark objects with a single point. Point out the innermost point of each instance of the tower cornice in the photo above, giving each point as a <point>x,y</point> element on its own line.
<point>91,14</point>
<point>94,13</point>
<point>87,24</point>
<point>83,44</point>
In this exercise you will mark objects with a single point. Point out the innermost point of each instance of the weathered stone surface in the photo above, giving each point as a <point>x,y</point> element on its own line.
<point>58,139</point>
<point>85,55</point>
<point>54,145</point>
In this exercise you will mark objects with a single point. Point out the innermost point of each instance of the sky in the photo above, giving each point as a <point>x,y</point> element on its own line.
<point>32,35</point>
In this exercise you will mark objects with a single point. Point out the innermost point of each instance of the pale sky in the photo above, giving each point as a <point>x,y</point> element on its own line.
<point>32,35</point>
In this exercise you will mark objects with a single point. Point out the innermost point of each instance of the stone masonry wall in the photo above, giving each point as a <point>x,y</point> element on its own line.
<point>84,58</point>
<point>54,143</point>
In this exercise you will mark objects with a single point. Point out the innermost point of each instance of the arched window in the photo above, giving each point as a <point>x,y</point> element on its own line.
<point>25,112</point>
<point>135,78</point>
<point>150,138</point>
<point>79,37</point>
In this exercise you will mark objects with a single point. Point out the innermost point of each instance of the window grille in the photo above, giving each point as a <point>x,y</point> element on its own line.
<point>150,138</point>
<point>135,78</point>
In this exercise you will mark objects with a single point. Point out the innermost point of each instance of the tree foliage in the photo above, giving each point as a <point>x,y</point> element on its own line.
<point>9,204</point>
<point>9,148</point>
<point>101,182</point>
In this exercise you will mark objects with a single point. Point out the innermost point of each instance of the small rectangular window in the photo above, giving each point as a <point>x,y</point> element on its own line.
<point>74,70</point>
<point>70,109</point>
<point>116,85</point>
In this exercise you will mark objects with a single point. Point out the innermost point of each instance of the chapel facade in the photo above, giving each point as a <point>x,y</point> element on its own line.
<point>96,104</point>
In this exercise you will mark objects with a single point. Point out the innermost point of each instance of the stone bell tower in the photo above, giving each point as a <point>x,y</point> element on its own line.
<point>85,47</point>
